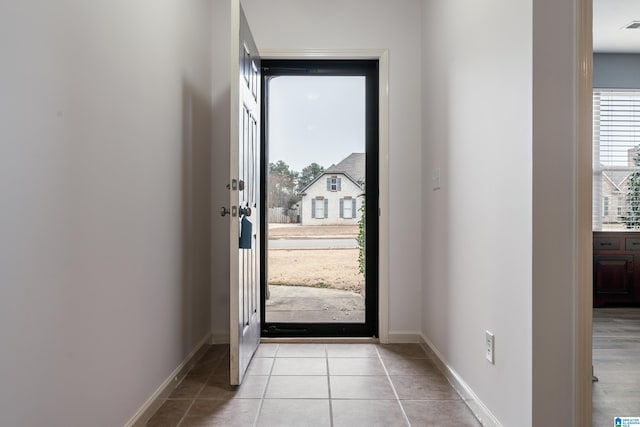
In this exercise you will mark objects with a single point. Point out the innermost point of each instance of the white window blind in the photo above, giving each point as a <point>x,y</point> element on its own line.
<point>616,159</point>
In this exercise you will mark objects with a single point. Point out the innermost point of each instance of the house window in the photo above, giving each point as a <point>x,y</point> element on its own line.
<point>616,159</point>
<point>619,203</point>
<point>334,183</point>
<point>348,207</point>
<point>319,208</point>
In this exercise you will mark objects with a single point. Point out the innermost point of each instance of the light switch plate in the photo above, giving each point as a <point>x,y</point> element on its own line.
<point>490,346</point>
<point>435,179</point>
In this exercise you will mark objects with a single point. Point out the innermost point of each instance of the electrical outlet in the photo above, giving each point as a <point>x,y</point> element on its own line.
<point>490,346</point>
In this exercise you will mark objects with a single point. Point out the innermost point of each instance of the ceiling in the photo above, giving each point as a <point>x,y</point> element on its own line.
<point>609,19</point>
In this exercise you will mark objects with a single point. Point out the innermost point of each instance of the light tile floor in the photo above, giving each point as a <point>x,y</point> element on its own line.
<point>317,385</point>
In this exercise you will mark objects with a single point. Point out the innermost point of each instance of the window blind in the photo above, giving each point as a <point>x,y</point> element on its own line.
<point>616,159</point>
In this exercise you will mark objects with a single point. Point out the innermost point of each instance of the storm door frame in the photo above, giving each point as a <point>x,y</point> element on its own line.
<point>369,68</point>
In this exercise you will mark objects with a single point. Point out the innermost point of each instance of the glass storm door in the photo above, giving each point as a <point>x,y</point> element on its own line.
<point>320,198</point>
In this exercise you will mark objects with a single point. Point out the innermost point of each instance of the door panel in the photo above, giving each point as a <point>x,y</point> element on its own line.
<point>244,232</point>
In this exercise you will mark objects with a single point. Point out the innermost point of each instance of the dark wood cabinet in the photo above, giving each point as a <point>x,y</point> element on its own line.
<point>616,274</point>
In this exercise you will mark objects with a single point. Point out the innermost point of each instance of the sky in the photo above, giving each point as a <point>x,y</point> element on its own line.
<point>317,119</point>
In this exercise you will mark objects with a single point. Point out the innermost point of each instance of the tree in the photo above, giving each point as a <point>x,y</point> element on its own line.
<point>308,174</point>
<point>281,185</point>
<point>632,218</point>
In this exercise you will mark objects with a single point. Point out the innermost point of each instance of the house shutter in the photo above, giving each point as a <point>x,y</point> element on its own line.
<point>326,208</point>
<point>313,208</point>
<point>353,208</point>
<point>341,208</point>
<point>339,184</point>
<point>328,184</point>
<point>616,159</point>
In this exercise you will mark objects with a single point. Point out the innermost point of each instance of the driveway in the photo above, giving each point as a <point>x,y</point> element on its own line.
<point>348,243</point>
<point>302,304</point>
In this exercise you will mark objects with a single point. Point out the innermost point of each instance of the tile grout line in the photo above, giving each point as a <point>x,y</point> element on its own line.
<point>193,401</point>
<point>184,416</point>
<point>326,353</point>
<point>266,387</point>
<point>393,388</point>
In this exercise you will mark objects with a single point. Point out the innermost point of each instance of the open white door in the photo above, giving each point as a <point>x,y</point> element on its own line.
<point>244,195</point>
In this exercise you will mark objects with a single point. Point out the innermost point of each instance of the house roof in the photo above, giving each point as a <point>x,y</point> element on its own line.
<point>617,178</point>
<point>353,165</point>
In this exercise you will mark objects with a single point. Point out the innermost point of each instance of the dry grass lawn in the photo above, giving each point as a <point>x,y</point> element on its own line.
<point>283,231</point>
<point>323,268</point>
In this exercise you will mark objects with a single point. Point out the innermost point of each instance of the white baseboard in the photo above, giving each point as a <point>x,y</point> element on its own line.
<point>154,401</point>
<point>220,337</point>
<point>479,409</point>
<point>400,337</point>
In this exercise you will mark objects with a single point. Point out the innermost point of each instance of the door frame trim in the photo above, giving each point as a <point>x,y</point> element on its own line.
<point>583,326</point>
<point>382,55</point>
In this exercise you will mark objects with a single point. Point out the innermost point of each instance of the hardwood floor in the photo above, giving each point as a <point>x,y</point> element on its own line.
<point>616,362</point>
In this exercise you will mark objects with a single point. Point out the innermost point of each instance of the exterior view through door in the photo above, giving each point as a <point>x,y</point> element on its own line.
<point>320,187</point>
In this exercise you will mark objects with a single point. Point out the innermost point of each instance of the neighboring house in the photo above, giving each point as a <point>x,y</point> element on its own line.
<point>335,197</point>
<point>614,192</point>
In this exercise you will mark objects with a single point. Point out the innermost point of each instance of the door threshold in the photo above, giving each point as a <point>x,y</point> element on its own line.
<point>321,340</point>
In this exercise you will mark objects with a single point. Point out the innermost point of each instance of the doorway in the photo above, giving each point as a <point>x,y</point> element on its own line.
<point>616,233</point>
<point>320,186</point>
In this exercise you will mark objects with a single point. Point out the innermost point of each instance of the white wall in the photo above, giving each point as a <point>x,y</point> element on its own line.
<point>499,239</point>
<point>374,24</point>
<point>220,97</point>
<point>104,158</point>
<point>104,154</point>
<point>477,238</point>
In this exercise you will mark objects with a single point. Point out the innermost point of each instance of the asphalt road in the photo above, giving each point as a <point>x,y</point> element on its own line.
<point>349,243</point>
